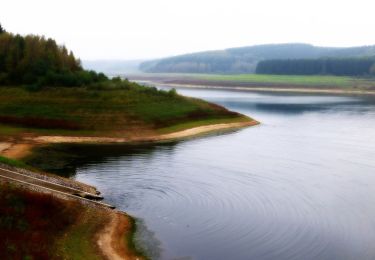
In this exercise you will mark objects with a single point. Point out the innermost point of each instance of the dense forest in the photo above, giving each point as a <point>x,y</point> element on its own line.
<point>328,66</point>
<point>35,60</point>
<point>245,59</point>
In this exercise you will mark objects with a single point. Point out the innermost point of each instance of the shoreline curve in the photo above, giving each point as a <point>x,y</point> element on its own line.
<point>190,132</point>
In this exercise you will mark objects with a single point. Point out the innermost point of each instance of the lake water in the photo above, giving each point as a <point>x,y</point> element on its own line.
<point>299,186</point>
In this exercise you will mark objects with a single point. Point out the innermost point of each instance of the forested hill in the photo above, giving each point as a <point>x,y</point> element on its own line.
<point>245,59</point>
<point>35,60</point>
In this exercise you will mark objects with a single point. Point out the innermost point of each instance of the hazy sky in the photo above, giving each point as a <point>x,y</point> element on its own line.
<point>138,29</point>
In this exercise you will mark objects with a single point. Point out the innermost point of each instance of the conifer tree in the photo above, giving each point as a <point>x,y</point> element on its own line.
<point>2,30</point>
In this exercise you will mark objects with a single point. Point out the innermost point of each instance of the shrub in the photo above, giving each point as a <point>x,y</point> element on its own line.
<point>172,92</point>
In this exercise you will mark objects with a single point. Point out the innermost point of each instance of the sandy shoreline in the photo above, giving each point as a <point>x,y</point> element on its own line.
<point>21,148</point>
<point>15,150</point>
<point>110,238</point>
<point>166,137</point>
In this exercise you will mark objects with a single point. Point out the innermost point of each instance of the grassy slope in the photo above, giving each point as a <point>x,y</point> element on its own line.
<point>87,111</point>
<point>44,224</point>
<point>54,228</point>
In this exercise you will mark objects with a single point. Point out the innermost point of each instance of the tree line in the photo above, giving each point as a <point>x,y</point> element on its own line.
<point>35,60</point>
<point>324,66</point>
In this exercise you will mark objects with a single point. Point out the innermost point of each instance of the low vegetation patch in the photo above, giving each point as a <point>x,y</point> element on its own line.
<point>12,162</point>
<point>34,225</point>
<point>31,223</point>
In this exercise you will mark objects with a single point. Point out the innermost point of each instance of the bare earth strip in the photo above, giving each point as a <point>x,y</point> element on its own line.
<point>176,135</point>
<point>113,232</point>
<point>14,150</point>
<point>4,146</point>
<point>22,147</point>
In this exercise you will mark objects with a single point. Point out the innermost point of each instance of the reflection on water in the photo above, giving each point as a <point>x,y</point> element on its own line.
<point>66,159</point>
<point>299,186</point>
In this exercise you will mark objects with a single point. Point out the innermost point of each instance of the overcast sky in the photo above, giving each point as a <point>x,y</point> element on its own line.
<point>139,29</point>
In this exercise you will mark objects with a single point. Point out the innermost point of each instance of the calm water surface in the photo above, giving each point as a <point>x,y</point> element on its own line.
<point>299,186</point>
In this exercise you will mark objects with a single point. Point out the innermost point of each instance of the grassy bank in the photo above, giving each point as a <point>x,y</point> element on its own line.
<point>13,162</point>
<point>103,112</point>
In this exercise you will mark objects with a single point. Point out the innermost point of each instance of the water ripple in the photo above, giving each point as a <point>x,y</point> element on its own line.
<point>298,187</point>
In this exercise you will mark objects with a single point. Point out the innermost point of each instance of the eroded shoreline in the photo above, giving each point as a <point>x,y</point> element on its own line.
<point>20,148</point>
<point>191,132</point>
<point>110,237</point>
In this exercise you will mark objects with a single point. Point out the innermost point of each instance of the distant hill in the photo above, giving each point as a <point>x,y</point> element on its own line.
<point>112,67</point>
<point>245,59</point>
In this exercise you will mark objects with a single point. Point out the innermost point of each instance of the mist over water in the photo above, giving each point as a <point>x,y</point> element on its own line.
<point>299,186</point>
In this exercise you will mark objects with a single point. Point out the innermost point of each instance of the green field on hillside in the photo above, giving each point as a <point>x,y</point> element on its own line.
<point>263,80</point>
<point>281,79</point>
<point>92,111</point>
